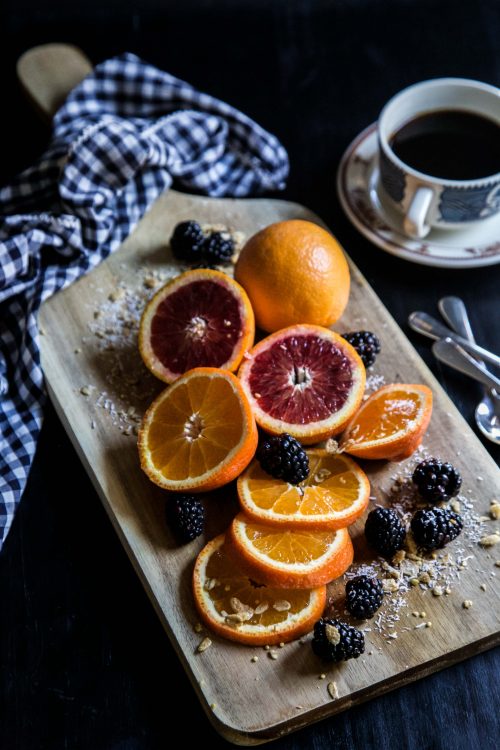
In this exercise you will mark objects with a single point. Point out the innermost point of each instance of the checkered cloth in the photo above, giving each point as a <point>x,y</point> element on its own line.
<point>118,141</point>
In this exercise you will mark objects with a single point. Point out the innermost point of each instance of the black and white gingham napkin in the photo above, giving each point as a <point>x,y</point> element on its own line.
<point>118,141</point>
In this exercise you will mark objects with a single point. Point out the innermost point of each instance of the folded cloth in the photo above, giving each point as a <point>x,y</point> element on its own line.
<point>119,140</point>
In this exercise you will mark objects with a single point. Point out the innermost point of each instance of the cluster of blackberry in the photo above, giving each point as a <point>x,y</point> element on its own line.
<point>190,245</point>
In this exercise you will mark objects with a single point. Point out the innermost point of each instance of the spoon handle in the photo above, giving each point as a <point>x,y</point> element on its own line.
<point>452,354</point>
<point>455,314</point>
<point>428,326</point>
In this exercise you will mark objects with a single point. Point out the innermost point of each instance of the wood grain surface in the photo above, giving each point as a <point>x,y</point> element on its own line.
<point>253,702</point>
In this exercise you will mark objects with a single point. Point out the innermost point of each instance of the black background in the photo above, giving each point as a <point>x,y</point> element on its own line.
<point>84,660</point>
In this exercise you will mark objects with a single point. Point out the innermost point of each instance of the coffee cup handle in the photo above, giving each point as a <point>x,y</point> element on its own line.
<point>414,223</point>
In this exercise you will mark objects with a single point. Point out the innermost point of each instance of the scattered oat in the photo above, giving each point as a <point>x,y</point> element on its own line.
<point>414,614</point>
<point>198,627</point>
<point>482,586</point>
<point>213,706</point>
<point>116,294</point>
<point>497,564</point>
<point>332,445</point>
<point>420,625</point>
<point>333,690</point>
<point>455,506</point>
<point>267,648</point>
<point>206,643</point>
<point>495,510</point>
<point>236,618</point>
<point>254,659</point>
<point>447,590</point>
<point>489,540</point>
<point>399,557</point>
<point>424,577</point>
<point>428,624</point>
<point>150,282</point>
<point>437,591</point>
<point>467,604</point>
<point>86,390</point>
<point>282,605</point>
<point>273,655</point>
<point>281,644</point>
<point>240,608</point>
<point>332,634</point>
<point>211,583</point>
<point>389,585</point>
<point>414,581</point>
<point>322,676</point>
<point>261,608</point>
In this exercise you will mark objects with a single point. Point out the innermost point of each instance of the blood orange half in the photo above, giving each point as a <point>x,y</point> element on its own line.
<point>202,318</point>
<point>305,380</point>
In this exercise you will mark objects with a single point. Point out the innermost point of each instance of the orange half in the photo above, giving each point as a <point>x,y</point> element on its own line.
<point>390,424</point>
<point>232,605</point>
<point>333,496</point>
<point>199,434</point>
<point>289,558</point>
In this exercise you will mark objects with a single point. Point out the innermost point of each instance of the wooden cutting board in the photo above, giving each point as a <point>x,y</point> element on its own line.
<point>100,389</point>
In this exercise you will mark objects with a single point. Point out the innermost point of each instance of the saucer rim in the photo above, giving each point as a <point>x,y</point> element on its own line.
<point>389,245</point>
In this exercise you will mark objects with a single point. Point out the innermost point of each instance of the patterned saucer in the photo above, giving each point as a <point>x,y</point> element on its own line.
<point>357,182</point>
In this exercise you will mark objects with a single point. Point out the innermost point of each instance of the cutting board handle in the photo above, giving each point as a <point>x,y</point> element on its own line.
<point>48,73</point>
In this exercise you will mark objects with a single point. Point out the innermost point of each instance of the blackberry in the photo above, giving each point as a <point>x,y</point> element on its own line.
<point>366,344</point>
<point>218,248</point>
<point>435,527</point>
<point>436,480</point>
<point>384,531</point>
<point>283,457</point>
<point>186,516</point>
<point>363,596</point>
<point>187,241</point>
<point>337,641</point>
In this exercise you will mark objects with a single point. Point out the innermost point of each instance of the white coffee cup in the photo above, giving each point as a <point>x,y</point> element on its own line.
<point>424,200</point>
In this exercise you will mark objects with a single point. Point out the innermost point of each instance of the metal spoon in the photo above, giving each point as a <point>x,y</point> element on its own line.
<point>434,329</point>
<point>487,413</point>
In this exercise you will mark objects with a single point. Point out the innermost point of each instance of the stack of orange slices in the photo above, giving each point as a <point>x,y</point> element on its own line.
<point>264,580</point>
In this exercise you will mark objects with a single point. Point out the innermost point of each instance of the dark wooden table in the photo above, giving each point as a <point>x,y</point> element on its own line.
<point>84,660</point>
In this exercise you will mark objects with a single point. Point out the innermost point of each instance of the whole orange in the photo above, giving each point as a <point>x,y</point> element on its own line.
<point>294,272</point>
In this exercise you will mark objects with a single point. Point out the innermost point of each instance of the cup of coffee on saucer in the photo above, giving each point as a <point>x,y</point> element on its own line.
<point>430,168</point>
<point>439,154</point>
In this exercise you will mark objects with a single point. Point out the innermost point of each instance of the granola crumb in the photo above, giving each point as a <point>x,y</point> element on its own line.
<point>415,614</point>
<point>333,690</point>
<point>482,587</point>
<point>198,627</point>
<point>86,390</point>
<point>438,591</point>
<point>399,557</point>
<point>322,676</point>
<point>423,614</point>
<point>467,604</point>
<point>497,564</point>
<point>281,645</point>
<point>267,648</point>
<point>206,643</point>
<point>254,659</point>
<point>495,510</point>
<point>273,655</point>
<point>489,540</point>
<point>428,624</point>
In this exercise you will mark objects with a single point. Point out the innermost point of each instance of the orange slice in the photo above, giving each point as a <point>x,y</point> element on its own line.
<point>390,424</point>
<point>289,558</point>
<point>202,318</point>
<point>198,434</point>
<point>233,606</point>
<point>333,496</point>
<point>305,380</point>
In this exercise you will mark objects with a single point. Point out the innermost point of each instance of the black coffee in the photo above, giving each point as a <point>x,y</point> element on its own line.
<point>452,144</point>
